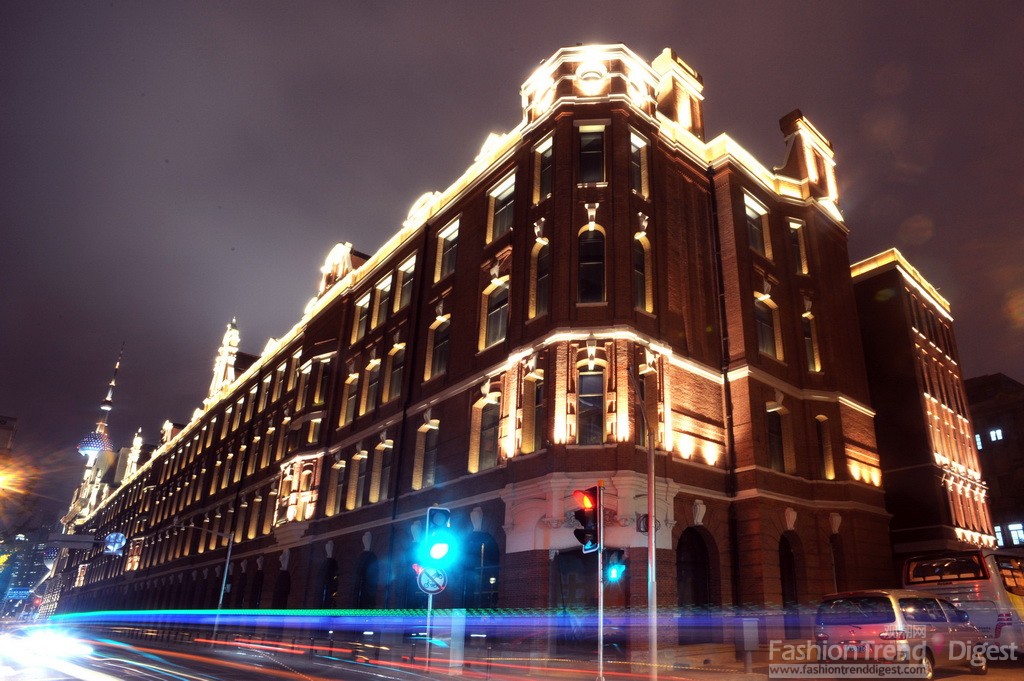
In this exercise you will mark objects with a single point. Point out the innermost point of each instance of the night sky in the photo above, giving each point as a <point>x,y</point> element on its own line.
<point>166,167</point>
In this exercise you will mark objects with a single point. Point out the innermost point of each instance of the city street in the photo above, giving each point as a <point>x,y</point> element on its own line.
<point>199,661</point>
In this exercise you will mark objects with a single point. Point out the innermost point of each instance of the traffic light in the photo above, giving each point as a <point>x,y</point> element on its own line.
<point>615,565</point>
<point>586,516</point>
<point>438,548</point>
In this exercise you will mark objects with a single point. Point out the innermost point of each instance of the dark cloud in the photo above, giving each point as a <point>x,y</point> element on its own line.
<point>168,166</point>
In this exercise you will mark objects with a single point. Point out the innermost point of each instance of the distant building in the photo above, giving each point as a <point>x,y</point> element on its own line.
<point>934,485</point>
<point>997,409</point>
<point>599,267</point>
<point>22,570</point>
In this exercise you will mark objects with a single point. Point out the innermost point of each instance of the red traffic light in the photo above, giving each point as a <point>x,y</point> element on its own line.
<point>585,499</point>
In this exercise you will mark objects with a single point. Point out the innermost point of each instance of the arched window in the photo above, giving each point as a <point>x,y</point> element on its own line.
<point>489,418</point>
<point>641,274</point>
<point>591,270</point>
<point>590,406</point>
<point>541,280</point>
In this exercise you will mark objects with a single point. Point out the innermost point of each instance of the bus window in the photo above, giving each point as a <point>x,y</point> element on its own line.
<point>1012,571</point>
<point>959,566</point>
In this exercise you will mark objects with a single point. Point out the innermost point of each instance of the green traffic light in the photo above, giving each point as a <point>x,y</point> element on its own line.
<point>439,550</point>
<point>615,572</point>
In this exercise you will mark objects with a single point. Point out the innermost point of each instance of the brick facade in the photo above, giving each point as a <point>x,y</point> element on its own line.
<point>648,307</point>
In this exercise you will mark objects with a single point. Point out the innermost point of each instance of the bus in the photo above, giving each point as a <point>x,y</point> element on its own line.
<point>987,583</point>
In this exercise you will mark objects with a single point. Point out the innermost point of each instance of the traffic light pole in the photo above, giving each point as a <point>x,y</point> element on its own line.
<point>430,610</point>
<point>652,572</point>
<point>600,580</point>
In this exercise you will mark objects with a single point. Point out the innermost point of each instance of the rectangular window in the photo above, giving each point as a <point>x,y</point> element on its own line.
<point>497,316</point>
<point>640,299</point>
<point>279,378</point>
<point>264,393</point>
<point>590,408</point>
<point>358,482</point>
<point>350,399</point>
<point>385,474</point>
<point>382,301</point>
<point>591,267</point>
<point>406,276</point>
<point>300,397</point>
<point>439,351</point>
<point>798,246</point>
<point>293,366</point>
<point>313,436</point>
<point>502,200</point>
<point>372,387</point>
<point>810,343</point>
<point>591,139</point>
<point>638,164</point>
<point>542,280</point>
<point>322,377</point>
<point>977,440</point>
<point>828,470</point>
<point>396,371</point>
<point>764,318</point>
<point>430,457</point>
<point>362,318</point>
<point>995,434</point>
<point>757,226</point>
<point>250,404</point>
<point>490,417</point>
<point>540,440</point>
<point>1016,533</point>
<point>543,177</point>
<point>447,243</point>
<point>776,443</point>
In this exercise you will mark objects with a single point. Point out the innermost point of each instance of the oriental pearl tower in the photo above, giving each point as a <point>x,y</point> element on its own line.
<point>98,440</point>
<point>89,492</point>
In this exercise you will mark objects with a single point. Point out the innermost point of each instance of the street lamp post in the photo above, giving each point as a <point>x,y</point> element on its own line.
<point>652,580</point>
<point>227,564</point>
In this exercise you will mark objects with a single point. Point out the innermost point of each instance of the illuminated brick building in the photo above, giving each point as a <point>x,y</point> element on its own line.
<point>933,482</point>
<point>482,358</point>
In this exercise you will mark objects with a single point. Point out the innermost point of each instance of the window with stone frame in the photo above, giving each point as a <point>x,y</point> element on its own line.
<point>591,275</point>
<point>501,201</point>
<point>543,175</point>
<point>591,158</point>
<point>757,226</point>
<point>447,246</point>
<point>590,395</point>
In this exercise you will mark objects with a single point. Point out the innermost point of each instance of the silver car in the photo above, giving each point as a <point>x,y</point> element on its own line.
<point>898,626</point>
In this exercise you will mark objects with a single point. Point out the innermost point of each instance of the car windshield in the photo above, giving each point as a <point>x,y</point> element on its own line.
<point>856,610</point>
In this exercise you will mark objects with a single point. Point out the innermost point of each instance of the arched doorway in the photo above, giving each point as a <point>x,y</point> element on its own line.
<point>790,592</point>
<point>695,569</point>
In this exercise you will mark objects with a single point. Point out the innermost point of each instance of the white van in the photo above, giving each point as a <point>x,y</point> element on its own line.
<point>987,583</point>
